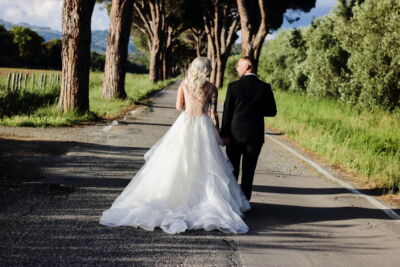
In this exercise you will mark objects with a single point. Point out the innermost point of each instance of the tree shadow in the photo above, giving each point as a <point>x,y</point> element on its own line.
<point>145,123</point>
<point>264,216</point>
<point>299,190</point>
<point>75,164</point>
<point>151,104</point>
<point>67,231</point>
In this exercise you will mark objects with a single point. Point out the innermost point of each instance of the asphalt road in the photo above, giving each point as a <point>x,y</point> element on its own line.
<point>70,175</point>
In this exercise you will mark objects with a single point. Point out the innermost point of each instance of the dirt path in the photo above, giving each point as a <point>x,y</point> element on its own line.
<point>58,181</point>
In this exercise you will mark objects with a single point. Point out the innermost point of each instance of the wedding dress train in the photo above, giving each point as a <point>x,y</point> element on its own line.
<point>185,183</point>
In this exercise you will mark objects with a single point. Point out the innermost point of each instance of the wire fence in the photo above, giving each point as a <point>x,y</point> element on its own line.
<point>17,81</point>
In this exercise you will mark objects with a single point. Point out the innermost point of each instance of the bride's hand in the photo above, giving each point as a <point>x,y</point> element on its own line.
<point>225,141</point>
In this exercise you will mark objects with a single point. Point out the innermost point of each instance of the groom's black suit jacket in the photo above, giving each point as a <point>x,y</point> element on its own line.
<point>247,101</point>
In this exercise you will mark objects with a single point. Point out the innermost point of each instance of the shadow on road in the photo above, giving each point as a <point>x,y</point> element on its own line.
<point>75,164</point>
<point>263,216</point>
<point>145,123</point>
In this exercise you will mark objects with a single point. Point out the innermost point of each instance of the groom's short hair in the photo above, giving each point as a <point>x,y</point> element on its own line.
<point>249,59</point>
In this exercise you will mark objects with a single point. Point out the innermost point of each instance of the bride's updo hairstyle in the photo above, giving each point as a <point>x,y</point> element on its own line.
<point>197,75</point>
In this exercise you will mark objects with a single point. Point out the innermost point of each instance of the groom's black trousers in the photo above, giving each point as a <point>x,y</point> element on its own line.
<point>250,153</point>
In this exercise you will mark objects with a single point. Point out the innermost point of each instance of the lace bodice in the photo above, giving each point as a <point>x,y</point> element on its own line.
<point>197,106</point>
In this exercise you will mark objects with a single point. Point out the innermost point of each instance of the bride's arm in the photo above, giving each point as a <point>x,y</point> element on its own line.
<point>180,99</point>
<point>213,108</point>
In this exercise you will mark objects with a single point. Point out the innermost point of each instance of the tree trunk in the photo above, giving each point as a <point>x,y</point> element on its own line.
<point>117,49</point>
<point>155,55</point>
<point>76,38</point>
<point>252,41</point>
<point>198,45</point>
<point>211,56</point>
<point>220,25</point>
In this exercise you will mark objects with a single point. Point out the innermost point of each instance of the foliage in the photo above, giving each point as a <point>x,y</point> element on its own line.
<point>230,69</point>
<point>373,41</point>
<point>276,57</point>
<point>28,43</point>
<point>52,54</point>
<point>326,61</point>
<point>97,61</point>
<point>352,54</point>
<point>135,64</point>
<point>8,50</point>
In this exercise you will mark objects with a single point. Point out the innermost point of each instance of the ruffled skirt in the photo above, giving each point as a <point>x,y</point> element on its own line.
<point>186,183</point>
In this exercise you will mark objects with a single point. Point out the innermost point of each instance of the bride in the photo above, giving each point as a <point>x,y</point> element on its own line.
<point>186,181</point>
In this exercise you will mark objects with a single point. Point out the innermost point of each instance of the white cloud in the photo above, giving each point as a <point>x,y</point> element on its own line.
<point>36,12</point>
<point>45,13</point>
<point>322,7</point>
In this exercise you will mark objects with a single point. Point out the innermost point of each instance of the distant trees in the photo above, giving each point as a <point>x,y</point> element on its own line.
<point>23,47</point>
<point>206,27</point>
<point>76,29</point>
<point>221,23</point>
<point>159,22</point>
<point>8,50</point>
<point>29,44</point>
<point>20,46</point>
<point>52,54</point>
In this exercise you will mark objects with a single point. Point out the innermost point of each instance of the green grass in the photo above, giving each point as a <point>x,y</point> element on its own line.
<point>38,107</point>
<point>365,142</point>
<point>137,86</point>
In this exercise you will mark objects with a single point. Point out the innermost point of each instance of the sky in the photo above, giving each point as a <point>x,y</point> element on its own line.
<point>48,13</point>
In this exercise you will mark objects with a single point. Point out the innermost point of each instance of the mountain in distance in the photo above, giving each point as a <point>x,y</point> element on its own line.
<point>99,38</point>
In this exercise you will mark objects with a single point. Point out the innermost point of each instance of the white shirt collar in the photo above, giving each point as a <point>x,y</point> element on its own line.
<point>250,74</point>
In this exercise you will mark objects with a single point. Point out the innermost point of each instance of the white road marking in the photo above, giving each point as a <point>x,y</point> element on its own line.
<point>391,213</point>
<point>108,127</point>
<point>132,112</point>
<point>158,93</point>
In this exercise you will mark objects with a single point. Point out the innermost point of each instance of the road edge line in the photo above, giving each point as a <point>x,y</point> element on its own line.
<point>387,210</point>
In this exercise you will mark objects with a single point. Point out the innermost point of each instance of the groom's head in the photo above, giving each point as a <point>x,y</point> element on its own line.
<point>245,66</point>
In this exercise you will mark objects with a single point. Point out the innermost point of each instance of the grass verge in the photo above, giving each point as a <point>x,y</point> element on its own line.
<point>366,143</point>
<point>38,108</point>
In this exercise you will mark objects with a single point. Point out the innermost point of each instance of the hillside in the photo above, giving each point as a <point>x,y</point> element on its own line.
<point>99,38</point>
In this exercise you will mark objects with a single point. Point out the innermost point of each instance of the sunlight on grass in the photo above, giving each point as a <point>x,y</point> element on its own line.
<point>362,141</point>
<point>38,108</point>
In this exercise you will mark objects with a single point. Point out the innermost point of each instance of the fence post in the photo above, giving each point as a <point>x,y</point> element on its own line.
<point>41,82</point>
<point>9,81</point>
<point>33,82</point>
<point>44,80</point>
<point>12,82</point>
<point>26,80</point>
<point>19,81</point>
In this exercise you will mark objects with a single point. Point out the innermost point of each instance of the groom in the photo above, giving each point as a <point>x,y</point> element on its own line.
<point>247,101</point>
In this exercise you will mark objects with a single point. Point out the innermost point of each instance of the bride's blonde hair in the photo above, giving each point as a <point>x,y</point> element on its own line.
<point>197,75</point>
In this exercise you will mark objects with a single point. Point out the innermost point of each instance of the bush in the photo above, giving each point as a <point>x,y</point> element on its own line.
<point>373,41</point>
<point>230,69</point>
<point>352,54</point>
<point>326,63</point>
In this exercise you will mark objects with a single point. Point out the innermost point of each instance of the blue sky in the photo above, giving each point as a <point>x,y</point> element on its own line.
<point>48,13</point>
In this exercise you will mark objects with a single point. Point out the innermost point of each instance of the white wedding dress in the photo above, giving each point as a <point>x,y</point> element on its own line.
<point>186,182</point>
